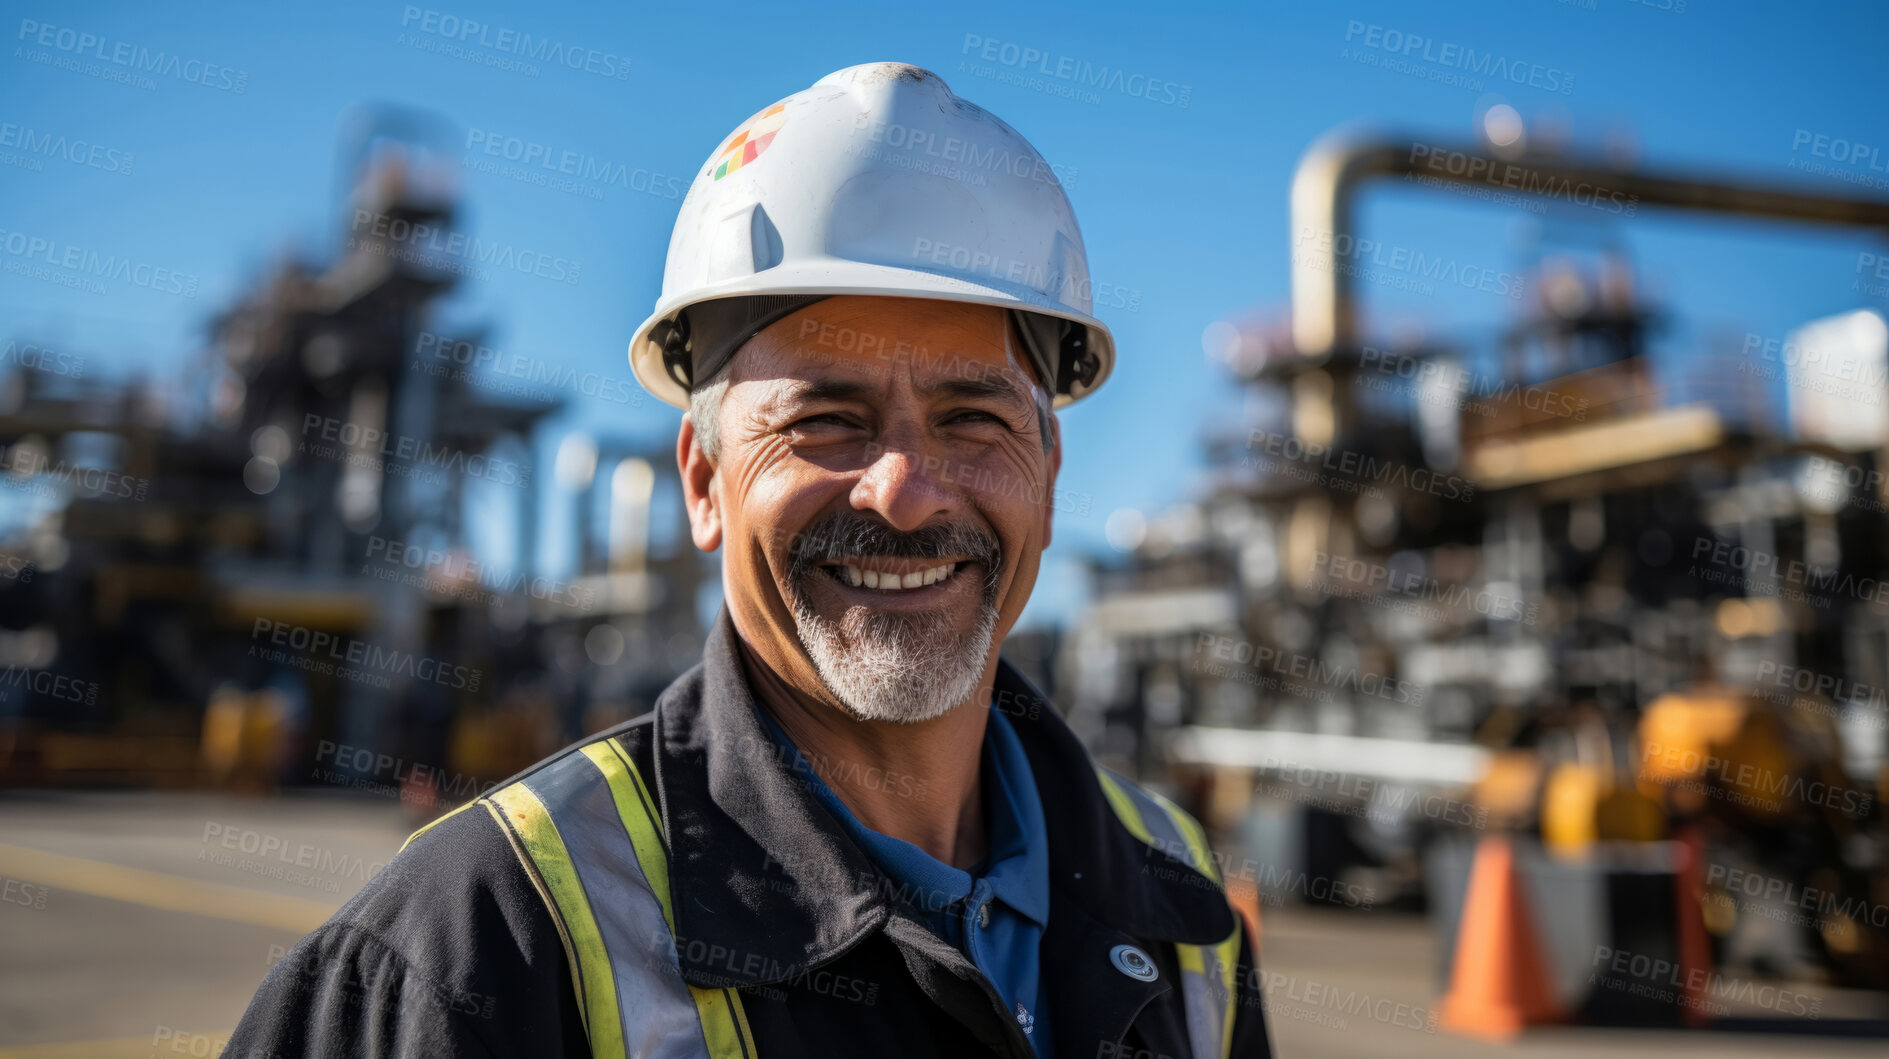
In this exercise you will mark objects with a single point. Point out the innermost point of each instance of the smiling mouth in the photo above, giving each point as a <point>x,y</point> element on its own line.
<point>890,575</point>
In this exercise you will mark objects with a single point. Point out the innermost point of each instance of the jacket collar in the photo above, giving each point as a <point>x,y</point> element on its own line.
<point>766,885</point>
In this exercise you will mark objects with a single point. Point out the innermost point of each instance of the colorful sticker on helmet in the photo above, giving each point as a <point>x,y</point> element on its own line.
<point>750,140</point>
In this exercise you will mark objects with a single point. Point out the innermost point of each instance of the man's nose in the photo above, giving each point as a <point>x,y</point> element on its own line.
<point>900,486</point>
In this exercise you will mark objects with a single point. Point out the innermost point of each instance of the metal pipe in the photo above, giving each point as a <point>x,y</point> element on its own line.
<point>1324,312</point>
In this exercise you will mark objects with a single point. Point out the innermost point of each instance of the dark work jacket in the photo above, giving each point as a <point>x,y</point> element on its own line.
<point>450,950</point>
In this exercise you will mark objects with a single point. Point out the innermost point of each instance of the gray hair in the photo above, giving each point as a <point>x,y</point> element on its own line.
<point>705,411</point>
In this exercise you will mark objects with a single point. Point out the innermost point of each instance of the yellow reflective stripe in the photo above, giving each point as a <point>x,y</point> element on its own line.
<point>531,822</point>
<point>1200,982</point>
<point>537,883</point>
<point>1129,808</point>
<point>1207,980</point>
<point>437,822</point>
<point>1202,977</point>
<point>1190,831</point>
<point>1124,806</point>
<point>1229,952</point>
<point>724,1025</point>
<point>639,820</point>
<point>741,1021</point>
<point>1191,959</point>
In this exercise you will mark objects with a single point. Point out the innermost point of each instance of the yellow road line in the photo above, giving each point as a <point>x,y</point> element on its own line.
<point>172,893</point>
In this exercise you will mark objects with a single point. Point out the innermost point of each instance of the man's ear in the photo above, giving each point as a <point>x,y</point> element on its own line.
<point>1055,466</point>
<point>699,494</point>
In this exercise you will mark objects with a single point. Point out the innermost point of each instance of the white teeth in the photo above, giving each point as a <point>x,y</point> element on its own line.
<point>887,580</point>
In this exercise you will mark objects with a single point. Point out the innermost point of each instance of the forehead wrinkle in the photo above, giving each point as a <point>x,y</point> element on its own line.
<point>1012,377</point>
<point>984,385</point>
<point>818,388</point>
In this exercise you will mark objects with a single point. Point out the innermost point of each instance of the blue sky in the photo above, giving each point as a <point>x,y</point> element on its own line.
<point>1185,205</point>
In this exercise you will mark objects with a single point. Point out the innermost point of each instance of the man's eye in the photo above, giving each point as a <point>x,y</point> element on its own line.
<point>823,419</point>
<point>973,415</point>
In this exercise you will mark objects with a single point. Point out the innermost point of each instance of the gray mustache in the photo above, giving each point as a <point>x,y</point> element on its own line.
<point>839,536</point>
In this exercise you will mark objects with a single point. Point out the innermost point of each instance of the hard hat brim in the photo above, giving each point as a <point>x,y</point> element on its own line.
<point>833,276</point>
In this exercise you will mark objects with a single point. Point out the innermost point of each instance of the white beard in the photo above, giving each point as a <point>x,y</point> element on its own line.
<point>898,668</point>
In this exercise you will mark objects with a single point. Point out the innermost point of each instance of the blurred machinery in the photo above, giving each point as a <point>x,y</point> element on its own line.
<point>1439,590</point>
<point>328,572</point>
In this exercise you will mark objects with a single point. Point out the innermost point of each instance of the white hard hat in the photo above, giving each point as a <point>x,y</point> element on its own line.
<point>879,181</point>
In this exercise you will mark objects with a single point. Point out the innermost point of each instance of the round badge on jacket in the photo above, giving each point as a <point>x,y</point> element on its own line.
<point>1134,963</point>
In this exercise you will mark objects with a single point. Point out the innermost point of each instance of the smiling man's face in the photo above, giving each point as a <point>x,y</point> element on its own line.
<point>884,488</point>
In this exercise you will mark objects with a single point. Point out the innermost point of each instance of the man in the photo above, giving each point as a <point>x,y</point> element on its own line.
<point>853,829</point>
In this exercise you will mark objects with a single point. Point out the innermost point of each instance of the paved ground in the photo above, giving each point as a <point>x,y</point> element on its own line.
<point>1325,973</point>
<point>139,925</point>
<point>151,918</point>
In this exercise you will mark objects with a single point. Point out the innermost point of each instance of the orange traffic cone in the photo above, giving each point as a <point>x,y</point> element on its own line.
<point>1500,981</point>
<point>1243,895</point>
<point>1695,947</point>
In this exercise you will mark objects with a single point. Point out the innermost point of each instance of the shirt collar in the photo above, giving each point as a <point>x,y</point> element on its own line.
<point>1017,861</point>
<point>923,880</point>
<point>761,871</point>
<point>1019,838</point>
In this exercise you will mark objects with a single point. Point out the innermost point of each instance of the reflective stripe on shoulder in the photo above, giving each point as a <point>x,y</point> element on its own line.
<point>1207,971</point>
<point>586,826</point>
<point>1159,822</point>
<point>537,836</point>
<point>1125,809</point>
<point>442,819</point>
<point>724,1024</point>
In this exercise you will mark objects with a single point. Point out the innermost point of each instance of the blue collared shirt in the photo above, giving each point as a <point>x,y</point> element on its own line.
<point>1012,879</point>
